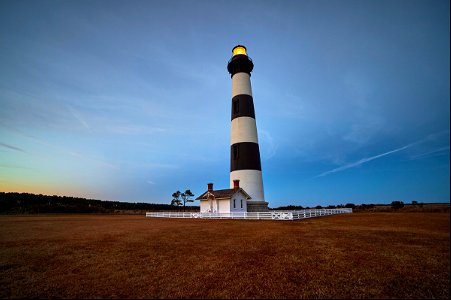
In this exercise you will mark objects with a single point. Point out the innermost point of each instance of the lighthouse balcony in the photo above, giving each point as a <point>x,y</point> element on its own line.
<point>240,63</point>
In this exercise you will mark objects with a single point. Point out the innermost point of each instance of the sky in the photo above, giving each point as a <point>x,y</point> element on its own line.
<point>130,100</point>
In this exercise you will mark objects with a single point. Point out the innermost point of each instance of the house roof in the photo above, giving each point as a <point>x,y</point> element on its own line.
<point>227,193</point>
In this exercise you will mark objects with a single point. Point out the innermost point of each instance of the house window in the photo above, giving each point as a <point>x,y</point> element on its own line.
<point>236,152</point>
<point>241,203</point>
<point>234,203</point>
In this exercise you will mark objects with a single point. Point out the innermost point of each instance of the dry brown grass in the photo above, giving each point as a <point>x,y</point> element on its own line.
<point>365,255</point>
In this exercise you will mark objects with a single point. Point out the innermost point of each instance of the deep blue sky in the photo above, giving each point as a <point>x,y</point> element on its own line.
<point>130,100</point>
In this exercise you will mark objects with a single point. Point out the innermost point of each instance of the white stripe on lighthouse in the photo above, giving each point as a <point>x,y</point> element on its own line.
<point>241,84</point>
<point>251,181</point>
<point>243,129</point>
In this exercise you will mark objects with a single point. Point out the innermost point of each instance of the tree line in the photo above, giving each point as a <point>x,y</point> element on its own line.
<point>395,205</point>
<point>14,203</point>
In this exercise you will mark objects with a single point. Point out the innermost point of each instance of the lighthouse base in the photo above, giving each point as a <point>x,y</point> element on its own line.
<point>257,206</point>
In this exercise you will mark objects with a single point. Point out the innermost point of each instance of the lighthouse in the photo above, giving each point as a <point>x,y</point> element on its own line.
<point>245,163</point>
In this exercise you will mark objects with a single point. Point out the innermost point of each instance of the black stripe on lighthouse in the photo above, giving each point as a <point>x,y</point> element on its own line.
<point>245,156</point>
<point>243,106</point>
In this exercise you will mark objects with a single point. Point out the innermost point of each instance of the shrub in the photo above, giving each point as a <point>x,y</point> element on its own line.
<point>397,204</point>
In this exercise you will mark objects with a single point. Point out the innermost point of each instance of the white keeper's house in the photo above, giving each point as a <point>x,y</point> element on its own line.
<point>224,201</point>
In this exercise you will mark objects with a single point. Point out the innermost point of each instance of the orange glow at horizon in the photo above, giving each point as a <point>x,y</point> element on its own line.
<point>9,186</point>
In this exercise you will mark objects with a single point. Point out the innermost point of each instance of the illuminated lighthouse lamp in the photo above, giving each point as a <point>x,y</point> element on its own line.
<point>239,50</point>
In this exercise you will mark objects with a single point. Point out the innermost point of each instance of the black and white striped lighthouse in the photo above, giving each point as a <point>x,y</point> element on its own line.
<point>245,164</point>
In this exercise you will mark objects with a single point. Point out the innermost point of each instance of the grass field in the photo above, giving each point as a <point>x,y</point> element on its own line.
<point>361,255</point>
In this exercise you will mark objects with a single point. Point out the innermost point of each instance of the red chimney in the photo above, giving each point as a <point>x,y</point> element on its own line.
<point>236,184</point>
<point>210,187</point>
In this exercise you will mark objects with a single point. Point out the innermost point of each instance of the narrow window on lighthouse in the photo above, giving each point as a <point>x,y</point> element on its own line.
<point>241,203</point>
<point>236,106</point>
<point>234,203</point>
<point>236,152</point>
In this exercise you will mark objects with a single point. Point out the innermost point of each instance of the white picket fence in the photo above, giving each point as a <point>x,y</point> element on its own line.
<point>269,215</point>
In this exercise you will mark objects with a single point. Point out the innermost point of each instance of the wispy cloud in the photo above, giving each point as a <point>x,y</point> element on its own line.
<point>268,145</point>
<point>15,167</point>
<point>88,158</point>
<point>435,152</point>
<point>12,147</point>
<point>437,135</point>
<point>430,137</point>
<point>367,159</point>
<point>77,116</point>
<point>58,148</point>
<point>159,166</point>
<point>135,130</point>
